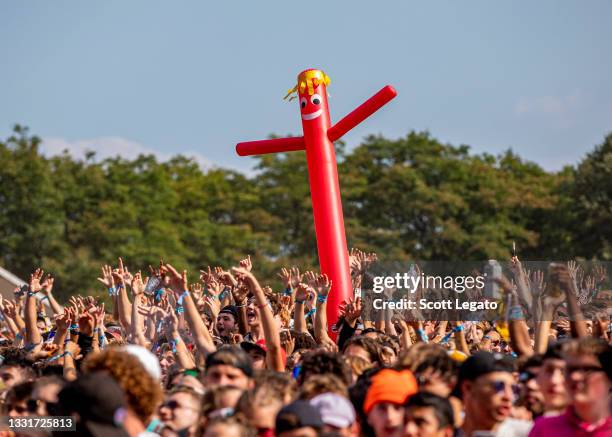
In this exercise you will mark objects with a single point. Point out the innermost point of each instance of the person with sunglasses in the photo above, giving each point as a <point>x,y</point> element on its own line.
<point>588,386</point>
<point>181,410</point>
<point>488,390</point>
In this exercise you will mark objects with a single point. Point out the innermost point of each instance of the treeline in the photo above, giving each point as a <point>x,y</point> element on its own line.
<point>410,198</point>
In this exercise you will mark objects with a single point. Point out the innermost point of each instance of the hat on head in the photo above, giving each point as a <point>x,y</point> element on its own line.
<point>148,360</point>
<point>335,410</point>
<point>390,385</point>
<point>298,414</point>
<point>99,402</point>
<point>482,363</point>
<point>261,347</point>
<point>230,309</point>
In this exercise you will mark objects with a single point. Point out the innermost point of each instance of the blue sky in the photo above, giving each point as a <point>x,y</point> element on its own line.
<point>195,77</point>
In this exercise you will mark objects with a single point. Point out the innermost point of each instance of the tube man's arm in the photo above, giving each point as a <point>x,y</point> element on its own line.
<point>362,112</point>
<point>270,146</point>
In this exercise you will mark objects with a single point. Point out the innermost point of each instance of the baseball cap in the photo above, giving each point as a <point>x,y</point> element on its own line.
<point>230,309</point>
<point>335,410</point>
<point>99,402</point>
<point>482,363</point>
<point>390,385</point>
<point>298,414</point>
<point>260,346</point>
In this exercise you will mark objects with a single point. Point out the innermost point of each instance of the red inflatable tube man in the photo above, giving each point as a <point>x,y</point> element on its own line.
<point>318,139</point>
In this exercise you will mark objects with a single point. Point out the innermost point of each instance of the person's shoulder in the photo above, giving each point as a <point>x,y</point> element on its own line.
<point>514,428</point>
<point>546,423</point>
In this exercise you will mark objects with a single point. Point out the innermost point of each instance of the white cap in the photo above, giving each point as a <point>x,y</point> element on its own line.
<point>335,410</point>
<point>148,360</point>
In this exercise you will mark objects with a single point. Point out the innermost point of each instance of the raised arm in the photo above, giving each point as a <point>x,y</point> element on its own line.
<point>201,336</point>
<point>362,112</point>
<point>274,357</point>
<point>47,288</point>
<point>32,334</point>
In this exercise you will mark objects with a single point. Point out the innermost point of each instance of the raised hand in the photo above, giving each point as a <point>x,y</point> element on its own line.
<point>107,277</point>
<point>35,281</point>
<point>47,285</point>
<point>124,272</point>
<point>177,281</point>
<point>288,343</point>
<point>137,284</point>
<point>296,278</point>
<point>352,309</point>
<point>285,276</point>
<point>302,292</point>
<point>86,323</point>
<point>324,285</point>
<point>311,278</point>
<point>246,263</point>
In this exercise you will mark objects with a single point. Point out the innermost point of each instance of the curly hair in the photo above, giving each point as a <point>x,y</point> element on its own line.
<point>319,384</point>
<point>143,392</point>
<point>320,362</point>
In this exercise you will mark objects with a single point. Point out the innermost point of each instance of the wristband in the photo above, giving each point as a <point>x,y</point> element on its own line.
<point>181,298</point>
<point>159,293</point>
<point>68,353</point>
<point>44,297</point>
<point>423,336</point>
<point>18,336</point>
<point>515,313</point>
<point>180,310</point>
<point>288,291</point>
<point>74,326</point>
<point>118,286</point>
<point>458,328</point>
<point>311,312</point>
<point>31,293</point>
<point>321,299</point>
<point>111,291</point>
<point>301,302</point>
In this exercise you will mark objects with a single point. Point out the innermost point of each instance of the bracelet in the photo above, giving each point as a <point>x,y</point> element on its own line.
<point>118,286</point>
<point>180,310</point>
<point>111,291</point>
<point>515,313</point>
<point>74,326</point>
<point>311,312</point>
<point>44,297</point>
<point>301,302</point>
<point>181,298</point>
<point>288,291</point>
<point>458,328</point>
<point>31,293</point>
<point>68,353</point>
<point>321,299</point>
<point>423,336</point>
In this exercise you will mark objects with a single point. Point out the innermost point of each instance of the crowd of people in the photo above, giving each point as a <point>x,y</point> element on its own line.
<point>227,356</point>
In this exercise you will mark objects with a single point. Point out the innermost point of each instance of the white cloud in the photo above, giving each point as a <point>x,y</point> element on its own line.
<point>110,147</point>
<point>548,105</point>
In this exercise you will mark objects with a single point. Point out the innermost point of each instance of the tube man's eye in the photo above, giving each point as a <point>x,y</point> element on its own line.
<point>303,102</point>
<point>316,99</point>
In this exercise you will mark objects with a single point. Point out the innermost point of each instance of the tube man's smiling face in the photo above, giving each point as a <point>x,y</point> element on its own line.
<point>311,107</point>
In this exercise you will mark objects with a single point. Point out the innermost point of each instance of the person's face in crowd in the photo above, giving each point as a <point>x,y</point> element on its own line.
<point>180,411</point>
<point>166,361</point>
<point>430,380</point>
<point>226,324</point>
<point>41,325</point>
<point>258,357</point>
<point>188,381</point>
<point>387,419</point>
<point>223,374</point>
<point>491,342</point>
<point>422,422</point>
<point>551,380</point>
<point>388,355</point>
<point>478,334</point>
<point>534,400</point>
<point>587,383</point>
<point>252,313</point>
<point>306,431</point>
<point>262,414</point>
<point>489,398</point>
<point>357,351</point>
<point>18,409</point>
<point>42,396</point>
<point>11,376</point>
<point>223,430</point>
